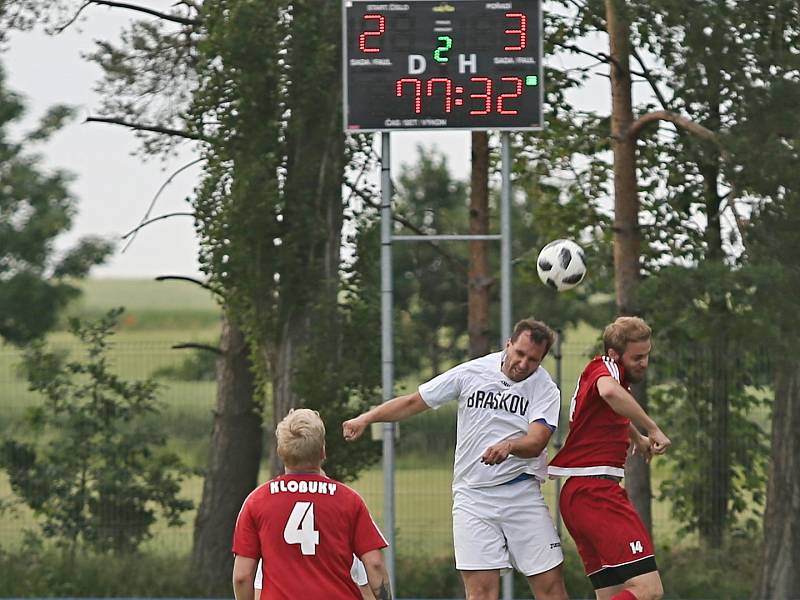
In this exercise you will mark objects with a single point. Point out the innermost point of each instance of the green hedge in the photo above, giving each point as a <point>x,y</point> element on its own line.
<point>724,574</point>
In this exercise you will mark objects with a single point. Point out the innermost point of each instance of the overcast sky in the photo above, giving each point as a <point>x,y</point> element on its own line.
<point>114,187</point>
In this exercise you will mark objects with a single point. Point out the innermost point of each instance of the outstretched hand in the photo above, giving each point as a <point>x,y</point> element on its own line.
<point>353,428</point>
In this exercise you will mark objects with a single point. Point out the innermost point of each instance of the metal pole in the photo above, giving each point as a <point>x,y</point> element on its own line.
<point>505,278</point>
<point>559,432</point>
<point>505,237</point>
<point>387,353</point>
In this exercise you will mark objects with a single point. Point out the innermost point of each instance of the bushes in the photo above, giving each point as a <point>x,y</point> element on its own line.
<point>36,571</point>
<point>94,474</point>
<point>727,573</point>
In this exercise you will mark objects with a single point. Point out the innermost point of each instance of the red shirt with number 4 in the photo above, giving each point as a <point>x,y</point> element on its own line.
<point>306,527</point>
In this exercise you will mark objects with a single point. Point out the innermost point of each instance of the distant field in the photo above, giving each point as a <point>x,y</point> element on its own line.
<point>149,304</point>
<point>145,294</point>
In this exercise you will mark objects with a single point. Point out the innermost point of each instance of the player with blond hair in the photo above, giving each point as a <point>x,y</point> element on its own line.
<point>306,527</point>
<point>604,421</point>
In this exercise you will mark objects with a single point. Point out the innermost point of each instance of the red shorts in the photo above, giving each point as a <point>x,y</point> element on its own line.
<point>611,538</point>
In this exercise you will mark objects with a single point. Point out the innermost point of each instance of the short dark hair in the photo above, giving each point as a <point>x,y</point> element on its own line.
<point>623,331</point>
<point>538,331</point>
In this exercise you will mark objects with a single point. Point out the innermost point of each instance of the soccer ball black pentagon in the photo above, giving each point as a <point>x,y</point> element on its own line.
<point>561,265</point>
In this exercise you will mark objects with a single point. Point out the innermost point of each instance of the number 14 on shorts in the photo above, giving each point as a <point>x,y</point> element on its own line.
<point>636,547</point>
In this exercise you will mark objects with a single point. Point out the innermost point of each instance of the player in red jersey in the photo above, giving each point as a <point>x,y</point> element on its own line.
<point>604,420</point>
<point>306,526</point>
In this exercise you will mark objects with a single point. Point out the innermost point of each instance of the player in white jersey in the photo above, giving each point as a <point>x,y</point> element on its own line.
<point>507,410</point>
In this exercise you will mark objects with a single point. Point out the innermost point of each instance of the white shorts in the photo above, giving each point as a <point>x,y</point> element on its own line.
<point>504,526</point>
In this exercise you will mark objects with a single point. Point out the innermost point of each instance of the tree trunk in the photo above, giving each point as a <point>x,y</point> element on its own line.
<point>713,521</point>
<point>479,278</point>
<point>712,527</point>
<point>281,363</point>
<point>780,577</point>
<point>233,463</point>
<point>626,217</point>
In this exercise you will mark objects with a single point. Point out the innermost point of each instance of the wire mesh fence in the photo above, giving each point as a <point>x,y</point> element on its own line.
<point>678,386</point>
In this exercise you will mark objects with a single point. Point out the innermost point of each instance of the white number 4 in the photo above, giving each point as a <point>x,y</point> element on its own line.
<point>300,528</point>
<point>636,547</point>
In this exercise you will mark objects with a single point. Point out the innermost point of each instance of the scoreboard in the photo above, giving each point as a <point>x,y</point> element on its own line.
<point>429,64</point>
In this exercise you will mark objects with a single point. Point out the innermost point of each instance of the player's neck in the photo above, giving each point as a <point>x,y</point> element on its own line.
<point>303,471</point>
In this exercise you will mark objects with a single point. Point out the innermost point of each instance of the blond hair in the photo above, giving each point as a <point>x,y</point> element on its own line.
<point>301,438</point>
<point>623,331</point>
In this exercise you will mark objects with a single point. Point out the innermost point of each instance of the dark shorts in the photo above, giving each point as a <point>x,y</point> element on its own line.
<point>611,538</point>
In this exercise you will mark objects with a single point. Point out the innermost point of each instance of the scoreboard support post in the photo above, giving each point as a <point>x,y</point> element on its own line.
<point>387,322</point>
<point>505,279</point>
<point>387,352</point>
<point>426,65</point>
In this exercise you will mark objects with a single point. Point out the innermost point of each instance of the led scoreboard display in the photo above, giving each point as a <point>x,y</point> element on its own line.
<point>428,64</point>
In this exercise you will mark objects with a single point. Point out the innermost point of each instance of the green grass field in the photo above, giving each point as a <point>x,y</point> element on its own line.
<point>144,294</point>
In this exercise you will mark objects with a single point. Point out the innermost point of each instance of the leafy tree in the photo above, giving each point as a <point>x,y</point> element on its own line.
<point>35,208</point>
<point>765,150</point>
<point>430,291</point>
<point>774,250</point>
<point>722,63</point>
<point>97,470</point>
<point>673,184</point>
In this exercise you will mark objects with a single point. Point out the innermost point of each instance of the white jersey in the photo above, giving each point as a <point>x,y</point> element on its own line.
<point>493,408</point>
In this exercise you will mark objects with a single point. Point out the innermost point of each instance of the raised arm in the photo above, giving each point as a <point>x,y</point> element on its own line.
<point>395,409</point>
<point>623,403</point>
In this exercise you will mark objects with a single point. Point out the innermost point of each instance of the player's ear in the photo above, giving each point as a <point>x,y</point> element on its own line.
<point>613,354</point>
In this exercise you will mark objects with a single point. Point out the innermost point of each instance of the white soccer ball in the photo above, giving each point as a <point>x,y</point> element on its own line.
<point>561,264</point>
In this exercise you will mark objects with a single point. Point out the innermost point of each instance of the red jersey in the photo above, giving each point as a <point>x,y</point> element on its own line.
<point>306,527</point>
<point>598,440</point>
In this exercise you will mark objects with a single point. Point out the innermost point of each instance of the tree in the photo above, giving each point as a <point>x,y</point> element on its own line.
<point>778,279</point>
<point>765,150</point>
<point>722,63</point>
<point>98,455</point>
<point>430,278</point>
<point>35,208</point>
<point>251,82</point>
<point>479,287</point>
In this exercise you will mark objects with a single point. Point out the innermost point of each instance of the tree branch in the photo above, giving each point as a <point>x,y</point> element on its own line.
<point>74,18</point>
<point>202,284</point>
<point>149,11</point>
<point>599,56</point>
<point>682,122</point>
<point>651,80</point>
<point>151,128</point>
<point>406,223</point>
<point>154,219</point>
<point>158,193</point>
<point>213,349</point>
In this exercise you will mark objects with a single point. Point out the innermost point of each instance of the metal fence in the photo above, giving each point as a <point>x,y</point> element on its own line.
<point>424,449</point>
